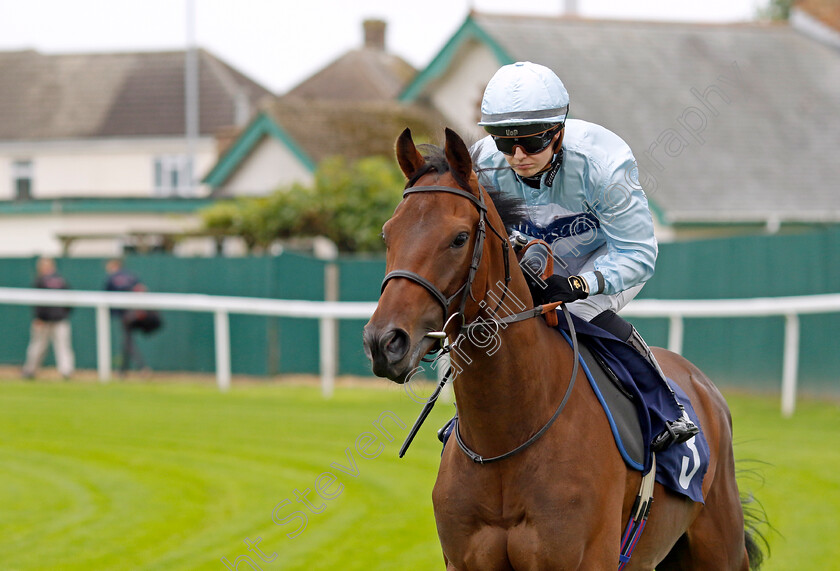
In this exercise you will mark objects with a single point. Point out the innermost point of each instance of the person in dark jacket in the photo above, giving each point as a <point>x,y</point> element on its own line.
<point>50,324</point>
<point>120,279</point>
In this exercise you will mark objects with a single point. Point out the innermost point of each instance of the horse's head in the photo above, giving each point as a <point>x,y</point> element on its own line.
<point>439,266</point>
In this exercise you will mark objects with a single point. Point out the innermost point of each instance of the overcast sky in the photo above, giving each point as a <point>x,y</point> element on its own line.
<point>281,42</point>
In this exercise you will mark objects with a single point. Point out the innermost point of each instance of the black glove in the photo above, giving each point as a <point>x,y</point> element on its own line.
<point>558,288</point>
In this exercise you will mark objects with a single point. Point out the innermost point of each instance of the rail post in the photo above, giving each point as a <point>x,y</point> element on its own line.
<point>103,342</point>
<point>790,364</point>
<point>326,250</point>
<point>329,350</point>
<point>222,332</point>
<point>675,333</point>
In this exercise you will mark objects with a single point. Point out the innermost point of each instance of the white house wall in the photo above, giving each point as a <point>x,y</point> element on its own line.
<point>269,166</point>
<point>37,234</point>
<point>457,94</point>
<point>96,167</point>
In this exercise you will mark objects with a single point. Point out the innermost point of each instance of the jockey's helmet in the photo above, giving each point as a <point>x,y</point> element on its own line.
<point>523,96</point>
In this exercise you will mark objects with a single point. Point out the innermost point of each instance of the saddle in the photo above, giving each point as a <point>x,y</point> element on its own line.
<point>631,393</point>
<point>620,407</point>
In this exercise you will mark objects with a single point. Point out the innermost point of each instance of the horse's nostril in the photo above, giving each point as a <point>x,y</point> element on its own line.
<point>395,344</point>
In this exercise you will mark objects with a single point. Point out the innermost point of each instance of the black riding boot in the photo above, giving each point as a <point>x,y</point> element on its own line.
<point>676,431</point>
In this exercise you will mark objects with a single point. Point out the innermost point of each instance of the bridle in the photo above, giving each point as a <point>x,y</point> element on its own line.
<point>478,249</point>
<point>466,291</point>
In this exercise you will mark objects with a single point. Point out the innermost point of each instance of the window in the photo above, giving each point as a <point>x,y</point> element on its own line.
<point>22,179</point>
<point>173,175</point>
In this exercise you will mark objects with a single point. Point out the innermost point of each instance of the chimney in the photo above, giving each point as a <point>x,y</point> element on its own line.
<point>374,34</point>
<point>571,7</point>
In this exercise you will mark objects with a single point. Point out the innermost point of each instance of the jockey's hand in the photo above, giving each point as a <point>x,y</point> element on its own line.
<point>558,288</point>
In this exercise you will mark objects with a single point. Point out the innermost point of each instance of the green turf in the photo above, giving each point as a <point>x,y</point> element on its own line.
<point>177,476</point>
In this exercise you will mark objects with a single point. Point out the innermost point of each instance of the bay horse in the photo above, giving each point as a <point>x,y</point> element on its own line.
<point>561,502</point>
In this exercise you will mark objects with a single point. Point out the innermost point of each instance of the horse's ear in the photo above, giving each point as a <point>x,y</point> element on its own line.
<point>408,156</point>
<point>458,156</point>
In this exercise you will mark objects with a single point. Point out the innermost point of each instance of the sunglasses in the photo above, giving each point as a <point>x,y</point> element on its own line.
<point>531,144</point>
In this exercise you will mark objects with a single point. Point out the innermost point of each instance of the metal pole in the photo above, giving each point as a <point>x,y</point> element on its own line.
<point>790,365</point>
<point>191,113</point>
<point>222,329</point>
<point>675,334</point>
<point>103,342</point>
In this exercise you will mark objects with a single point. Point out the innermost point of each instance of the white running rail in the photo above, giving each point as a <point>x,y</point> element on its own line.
<point>221,307</point>
<point>328,312</point>
<point>789,307</point>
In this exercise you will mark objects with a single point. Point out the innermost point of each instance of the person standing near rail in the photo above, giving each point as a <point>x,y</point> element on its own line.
<point>49,324</point>
<point>120,279</point>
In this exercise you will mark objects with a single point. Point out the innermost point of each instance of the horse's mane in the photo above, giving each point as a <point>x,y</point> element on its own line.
<point>510,208</point>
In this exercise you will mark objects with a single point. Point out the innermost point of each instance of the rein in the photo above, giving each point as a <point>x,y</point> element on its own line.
<point>466,290</point>
<point>478,459</point>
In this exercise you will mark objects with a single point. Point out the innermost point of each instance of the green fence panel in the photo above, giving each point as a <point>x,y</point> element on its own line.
<point>297,348</point>
<point>819,359</point>
<point>259,345</point>
<point>746,351</point>
<point>359,280</point>
<point>748,266</point>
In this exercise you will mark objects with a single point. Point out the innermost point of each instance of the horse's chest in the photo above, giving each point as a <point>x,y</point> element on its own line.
<point>520,521</point>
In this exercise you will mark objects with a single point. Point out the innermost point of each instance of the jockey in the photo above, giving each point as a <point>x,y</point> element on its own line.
<point>579,183</point>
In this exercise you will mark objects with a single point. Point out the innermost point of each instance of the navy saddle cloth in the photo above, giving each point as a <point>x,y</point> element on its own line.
<point>637,405</point>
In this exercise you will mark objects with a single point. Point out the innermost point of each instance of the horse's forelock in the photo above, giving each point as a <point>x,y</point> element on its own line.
<point>511,209</point>
<point>435,161</point>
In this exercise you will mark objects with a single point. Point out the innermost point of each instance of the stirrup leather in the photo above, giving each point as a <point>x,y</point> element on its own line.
<point>676,431</point>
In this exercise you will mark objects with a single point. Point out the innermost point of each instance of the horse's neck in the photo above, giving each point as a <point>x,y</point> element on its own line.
<point>504,395</point>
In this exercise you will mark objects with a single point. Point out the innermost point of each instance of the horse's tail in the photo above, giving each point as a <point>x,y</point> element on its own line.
<point>755,519</point>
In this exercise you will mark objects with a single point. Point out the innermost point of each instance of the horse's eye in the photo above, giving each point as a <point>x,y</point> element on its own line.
<point>460,239</point>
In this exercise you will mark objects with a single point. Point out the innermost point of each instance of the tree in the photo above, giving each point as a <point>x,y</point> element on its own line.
<point>348,203</point>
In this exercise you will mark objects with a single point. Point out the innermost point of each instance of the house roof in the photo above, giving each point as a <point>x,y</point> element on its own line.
<point>115,95</point>
<point>763,101</point>
<point>369,73</point>
<point>366,74</point>
<point>316,129</point>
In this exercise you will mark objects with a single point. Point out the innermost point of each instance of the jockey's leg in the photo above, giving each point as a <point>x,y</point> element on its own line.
<point>602,310</point>
<point>676,431</point>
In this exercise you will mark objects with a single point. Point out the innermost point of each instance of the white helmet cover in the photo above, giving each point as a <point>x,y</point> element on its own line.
<point>523,93</point>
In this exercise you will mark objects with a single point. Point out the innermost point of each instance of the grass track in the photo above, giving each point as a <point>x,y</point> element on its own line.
<point>176,476</point>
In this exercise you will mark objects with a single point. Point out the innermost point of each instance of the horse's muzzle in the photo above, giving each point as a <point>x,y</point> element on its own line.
<point>387,351</point>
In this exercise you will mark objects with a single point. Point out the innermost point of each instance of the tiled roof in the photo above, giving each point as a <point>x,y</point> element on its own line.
<point>369,73</point>
<point>366,74</point>
<point>114,94</point>
<point>350,128</point>
<point>763,100</point>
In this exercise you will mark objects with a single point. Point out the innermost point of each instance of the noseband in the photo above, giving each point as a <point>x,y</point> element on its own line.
<point>478,249</point>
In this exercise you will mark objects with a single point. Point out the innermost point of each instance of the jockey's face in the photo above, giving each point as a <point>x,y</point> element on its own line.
<point>526,165</point>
